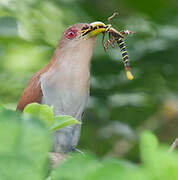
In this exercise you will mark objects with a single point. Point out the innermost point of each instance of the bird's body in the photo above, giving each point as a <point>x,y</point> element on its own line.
<point>64,84</point>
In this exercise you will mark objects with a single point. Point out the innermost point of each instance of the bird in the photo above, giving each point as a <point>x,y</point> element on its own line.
<point>64,83</point>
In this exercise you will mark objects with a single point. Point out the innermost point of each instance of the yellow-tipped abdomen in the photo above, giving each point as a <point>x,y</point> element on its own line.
<point>129,75</point>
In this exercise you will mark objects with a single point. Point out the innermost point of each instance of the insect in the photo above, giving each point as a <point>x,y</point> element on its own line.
<point>114,37</point>
<point>94,29</point>
<point>117,37</point>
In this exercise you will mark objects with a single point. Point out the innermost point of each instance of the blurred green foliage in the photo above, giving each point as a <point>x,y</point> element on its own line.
<point>25,143</point>
<point>157,164</point>
<point>118,109</point>
<point>41,111</point>
<point>45,113</point>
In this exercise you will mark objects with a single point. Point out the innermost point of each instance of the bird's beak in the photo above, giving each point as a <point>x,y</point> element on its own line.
<point>95,29</point>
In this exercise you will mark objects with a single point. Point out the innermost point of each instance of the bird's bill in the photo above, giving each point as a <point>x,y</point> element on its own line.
<point>95,29</point>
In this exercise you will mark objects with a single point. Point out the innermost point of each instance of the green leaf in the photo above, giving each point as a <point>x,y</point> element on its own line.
<point>25,143</point>
<point>87,167</point>
<point>112,169</point>
<point>148,146</point>
<point>158,163</point>
<point>44,112</point>
<point>62,121</point>
<point>1,107</point>
<point>77,167</point>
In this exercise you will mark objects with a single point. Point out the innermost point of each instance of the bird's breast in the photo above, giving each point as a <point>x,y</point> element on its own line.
<point>66,89</point>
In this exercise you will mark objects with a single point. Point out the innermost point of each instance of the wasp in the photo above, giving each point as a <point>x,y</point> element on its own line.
<point>118,37</point>
<point>94,28</point>
<point>115,36</point>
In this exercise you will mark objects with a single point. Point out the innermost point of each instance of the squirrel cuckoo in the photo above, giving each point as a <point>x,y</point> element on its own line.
<point>64,84</point>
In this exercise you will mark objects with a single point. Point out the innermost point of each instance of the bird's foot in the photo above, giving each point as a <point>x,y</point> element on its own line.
<point>77,150</point>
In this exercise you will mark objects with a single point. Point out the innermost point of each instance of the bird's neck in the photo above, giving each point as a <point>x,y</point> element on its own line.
<point>78,53</point>
<point>72,60</point>
<point>69,67</point>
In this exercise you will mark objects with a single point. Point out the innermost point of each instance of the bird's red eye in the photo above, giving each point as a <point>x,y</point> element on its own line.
<point>71,33</point>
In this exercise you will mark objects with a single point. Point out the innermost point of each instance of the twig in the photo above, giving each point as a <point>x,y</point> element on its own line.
<point>174,145</point>
<point>56,158</point>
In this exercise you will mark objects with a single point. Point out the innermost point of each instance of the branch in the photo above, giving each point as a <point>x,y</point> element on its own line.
<point>174,145</point>
<point>56,158</point>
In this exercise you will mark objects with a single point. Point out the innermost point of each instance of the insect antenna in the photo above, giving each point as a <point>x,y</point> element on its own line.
<point>111,17</point>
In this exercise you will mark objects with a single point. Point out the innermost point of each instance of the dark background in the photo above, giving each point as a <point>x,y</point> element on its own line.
<point>118,109</point>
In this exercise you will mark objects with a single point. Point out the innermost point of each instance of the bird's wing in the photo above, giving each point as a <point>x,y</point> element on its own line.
<point>32,92</point>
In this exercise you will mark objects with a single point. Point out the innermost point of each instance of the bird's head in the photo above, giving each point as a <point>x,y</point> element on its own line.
<point>74,39</point>
<point>75,43</point>
<point>83,31</point>
<point>72,36</point>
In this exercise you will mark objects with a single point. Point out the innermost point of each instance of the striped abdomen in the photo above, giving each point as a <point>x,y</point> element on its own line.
<point>124,53</point>
<point>125,58</point>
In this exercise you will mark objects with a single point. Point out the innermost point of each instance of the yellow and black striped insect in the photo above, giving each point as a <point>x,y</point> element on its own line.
<point>118,37</point>
<point>115,36</point>
<point>94,28</point>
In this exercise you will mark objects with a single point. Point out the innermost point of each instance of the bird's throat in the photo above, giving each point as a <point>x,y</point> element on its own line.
<point>65,85</point>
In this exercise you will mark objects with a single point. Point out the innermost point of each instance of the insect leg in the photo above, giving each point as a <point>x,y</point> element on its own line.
<point>127,32</point>
<point>111,40</point>
<point>108,42</point>
<point>103,41</point>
